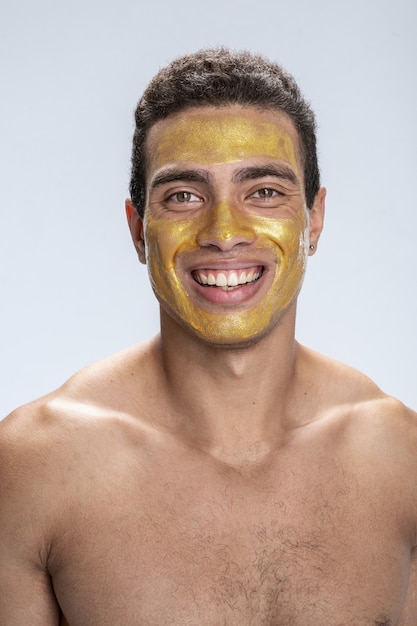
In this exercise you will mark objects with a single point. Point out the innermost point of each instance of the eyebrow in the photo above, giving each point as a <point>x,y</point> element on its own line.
<point>172,175</point>
<point>260,171</point>
<point>252,172</point>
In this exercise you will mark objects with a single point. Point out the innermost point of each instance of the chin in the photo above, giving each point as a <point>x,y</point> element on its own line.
<point>232,339</point>
<point>230,331</point>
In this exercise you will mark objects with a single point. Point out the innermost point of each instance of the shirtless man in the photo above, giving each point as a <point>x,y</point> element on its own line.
<point>221,474</point>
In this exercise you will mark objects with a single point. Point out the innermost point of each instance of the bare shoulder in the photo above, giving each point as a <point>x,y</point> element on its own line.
<point>354,405</point>
<point>373,435</point>
<point>58,433</point>
<point>342,384</point>
<point>51,451</point>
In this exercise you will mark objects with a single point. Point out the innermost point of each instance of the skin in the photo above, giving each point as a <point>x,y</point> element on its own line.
<point>205,479</point>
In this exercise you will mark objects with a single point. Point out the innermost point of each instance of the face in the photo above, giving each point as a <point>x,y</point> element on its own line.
<point>226,231</point>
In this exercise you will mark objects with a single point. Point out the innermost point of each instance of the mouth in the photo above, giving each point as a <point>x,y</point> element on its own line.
<point>227,280</point>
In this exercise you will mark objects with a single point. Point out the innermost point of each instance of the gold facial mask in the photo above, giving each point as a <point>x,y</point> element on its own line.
<point>223,139</point>
<point>173,242</point>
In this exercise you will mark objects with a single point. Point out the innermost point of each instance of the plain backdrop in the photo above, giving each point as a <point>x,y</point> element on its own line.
<point>72,290</point>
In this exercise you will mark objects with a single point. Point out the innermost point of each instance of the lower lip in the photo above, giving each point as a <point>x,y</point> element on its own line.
<point>237,295</point>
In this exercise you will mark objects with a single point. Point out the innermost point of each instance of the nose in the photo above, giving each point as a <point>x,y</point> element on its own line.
<point>225,228</point>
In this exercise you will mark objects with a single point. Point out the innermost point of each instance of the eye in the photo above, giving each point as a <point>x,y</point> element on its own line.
<point>265,192</point>
<point>183,197</point>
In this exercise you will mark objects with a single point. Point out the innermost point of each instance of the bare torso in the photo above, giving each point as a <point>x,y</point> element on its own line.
<point>179,539</point>
<point>145,529</point>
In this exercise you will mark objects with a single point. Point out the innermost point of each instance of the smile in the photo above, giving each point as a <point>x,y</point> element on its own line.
<point>227,279</point>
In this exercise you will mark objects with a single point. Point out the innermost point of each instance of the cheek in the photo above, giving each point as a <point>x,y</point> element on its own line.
<point>164,240</point>
<point>289,236</point>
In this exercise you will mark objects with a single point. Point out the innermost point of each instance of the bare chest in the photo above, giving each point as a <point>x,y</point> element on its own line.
<point>171,550</point>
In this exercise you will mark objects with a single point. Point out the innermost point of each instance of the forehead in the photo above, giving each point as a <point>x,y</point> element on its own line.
<point>216,135</point>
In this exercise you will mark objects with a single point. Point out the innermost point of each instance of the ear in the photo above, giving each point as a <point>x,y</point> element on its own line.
<point>136,230</point>
<point>317,218</point>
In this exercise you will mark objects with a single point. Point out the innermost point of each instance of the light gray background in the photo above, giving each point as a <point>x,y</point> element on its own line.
<point>71,288</point>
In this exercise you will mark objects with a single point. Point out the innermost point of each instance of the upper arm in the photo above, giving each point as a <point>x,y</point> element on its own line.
<point>409,610</point>
<point>26,593</point>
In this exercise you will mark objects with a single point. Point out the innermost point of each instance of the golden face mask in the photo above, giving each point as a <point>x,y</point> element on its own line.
<point>224,263</point>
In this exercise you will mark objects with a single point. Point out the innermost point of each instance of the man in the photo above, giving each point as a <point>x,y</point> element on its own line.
<point>221,474</point>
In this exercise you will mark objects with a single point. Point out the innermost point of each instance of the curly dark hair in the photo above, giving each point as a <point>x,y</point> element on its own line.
<point>221,77</point>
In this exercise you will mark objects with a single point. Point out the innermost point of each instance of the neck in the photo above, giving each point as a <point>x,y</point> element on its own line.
<point>230,402</point>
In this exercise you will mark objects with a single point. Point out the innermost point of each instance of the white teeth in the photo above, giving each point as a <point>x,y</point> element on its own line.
<point>231,278</point>
<point>221,280</point>
<point>242,278</point>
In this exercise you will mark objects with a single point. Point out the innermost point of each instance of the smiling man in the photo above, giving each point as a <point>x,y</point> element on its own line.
<point>220,474</point>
